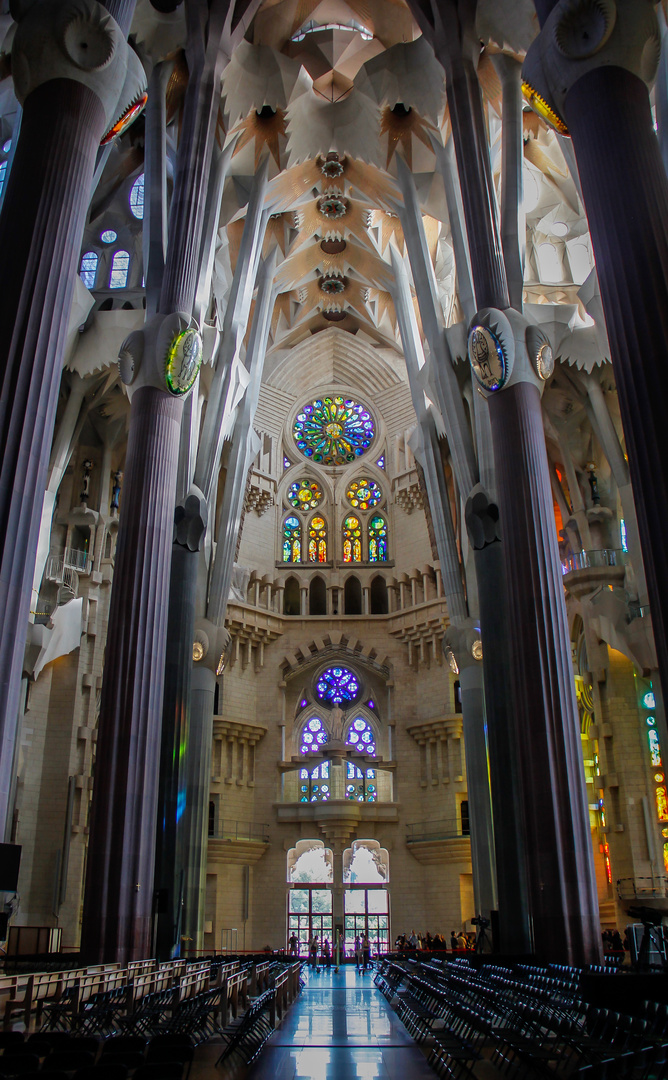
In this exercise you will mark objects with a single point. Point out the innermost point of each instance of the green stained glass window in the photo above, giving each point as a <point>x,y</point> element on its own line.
<point>377,539</point>
<point>352,539</point>
<point>333,430</point>
<point>317,540</point>
<point>305,494</point>
<point>292,539</point>
<point>364,493</point>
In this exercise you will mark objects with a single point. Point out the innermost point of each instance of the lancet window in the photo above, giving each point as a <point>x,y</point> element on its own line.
<point>88,268</point>
<point>120,268</point>
<point>292,539</point>
<point>317,539</point>
<point>377,539</point>
<point>352,539</point>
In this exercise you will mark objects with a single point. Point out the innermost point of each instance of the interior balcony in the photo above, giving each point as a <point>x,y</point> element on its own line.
<point>585,571</point>
<point>439,842</point>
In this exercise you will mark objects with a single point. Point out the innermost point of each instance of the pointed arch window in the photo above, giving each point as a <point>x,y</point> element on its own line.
<point>314,736</point>
<point>120,268</point>
<point>361,736</point>
<point>292,539</point>
<point>377,539</point>
<point>352,539</point>
<point>317,539</point>
<point>88,268</point>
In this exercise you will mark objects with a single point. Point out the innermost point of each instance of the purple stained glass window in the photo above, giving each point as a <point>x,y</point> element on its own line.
<point>314,736</point>
<point>337,684</point>
<point>361,736</point>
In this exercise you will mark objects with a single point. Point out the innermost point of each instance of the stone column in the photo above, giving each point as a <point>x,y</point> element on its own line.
<point>190,520</point>
<point>603,99</point>
<point>68,103</point>
<point>118,904</point>
<point>198,787</point>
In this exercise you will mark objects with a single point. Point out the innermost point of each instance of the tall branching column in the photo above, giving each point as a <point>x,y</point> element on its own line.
<point>68,102</point>
<point>506,356</point>
<point>604,101</point>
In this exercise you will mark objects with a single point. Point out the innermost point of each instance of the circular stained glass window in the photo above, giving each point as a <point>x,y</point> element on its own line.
<point>337,684</point>
<point>314,736</point>
<point>333,430</point>
<point>304,494</point>
<point>108,236</point>
<point>361,736</point>
<point>364,493</point>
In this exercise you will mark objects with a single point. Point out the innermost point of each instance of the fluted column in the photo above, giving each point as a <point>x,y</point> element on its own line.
<point>604,100</point>
<point>119,878</point>
<point>172,851</point>
<point>562,893</point>
<point>67,105</point>
<point>198,786</point>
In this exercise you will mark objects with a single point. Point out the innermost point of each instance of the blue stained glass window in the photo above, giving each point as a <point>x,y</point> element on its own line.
<point>108,236</point>
<point>381,462</point>
<point>361,736</point>
<point>377,539</point>
<point>314,736</point>
<point>3,174</point>
<point>292,539</point>
<point>137,197</point>
<point>337,684</point>
<point>120,267</point>
<point>649,701</point>
<point>314,784</point>
<point>88,269</point>
<point>623,535</point>
<point>360,786</point>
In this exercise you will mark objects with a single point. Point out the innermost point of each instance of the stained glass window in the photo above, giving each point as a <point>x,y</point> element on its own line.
<point>364,493</point>
<point>361,736</point>
<point>137,197</point>
<point>88,268</point>
<point>333,430</point>
<point>654,748</point>
<point>361,786</point>
<point>317,540</point>
<point>377,539</point>
<point>286,463</point>
<point>120,266</point>
<point>661,803</point>
<point>337,684</point>
<point>292,539</point>
<point>381,461</point>
<point>352,539</point>
<point>314,736</point>
<point>108,236</point>
<point>305,494</point>
<point>314,784</point>
<point>3,174</point>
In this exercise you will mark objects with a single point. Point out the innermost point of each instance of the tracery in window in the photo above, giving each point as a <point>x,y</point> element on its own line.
<point>305,494</point>
<point>360,786</point>
<point>314,736</point>
<point>364,493</point>
<point>120,267</point>
<point>361,736</point>
<point>310,861</point>
<point>333,430</point>
<point>137,197</point>
<point>337,684</point>
<point>314,784</point>
<point>366,863</point>
<point>292,539</point>
<point>88,268</point>
<point>377,539</point>
<point>352,539</point>
<point>317,540</point>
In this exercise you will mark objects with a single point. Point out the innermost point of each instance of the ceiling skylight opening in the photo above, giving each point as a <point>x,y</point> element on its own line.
<point>531,192</point>
<point>315,28</point>
<point>558,228</point>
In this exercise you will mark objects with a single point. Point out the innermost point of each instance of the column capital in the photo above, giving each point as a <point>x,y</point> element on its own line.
<point>504,348</point>
<point>166,354</point>
<point>463,644</point>
<point>80,41</point>
<point>578,37</point>
<point>190,520</point>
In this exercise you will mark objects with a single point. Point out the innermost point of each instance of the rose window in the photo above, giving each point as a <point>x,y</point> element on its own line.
<point>333,430</point>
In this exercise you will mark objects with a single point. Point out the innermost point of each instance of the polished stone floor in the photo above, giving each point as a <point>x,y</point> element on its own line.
<point>341,1028</point>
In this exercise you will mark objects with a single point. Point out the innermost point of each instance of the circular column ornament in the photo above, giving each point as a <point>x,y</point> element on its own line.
<point>584,27</point>
<point>183,361</point>
<point>487,358</point>
<point>491,348</point>
<point>540,351</point>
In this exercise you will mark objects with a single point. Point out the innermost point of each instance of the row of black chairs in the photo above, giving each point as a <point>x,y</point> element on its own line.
<point>59,1054</point>
<point>246,1039</point>
<point>528,1023</point>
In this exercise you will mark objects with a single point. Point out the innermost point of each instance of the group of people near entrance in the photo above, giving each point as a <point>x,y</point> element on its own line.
<point>437,943</point>
<point>322,953</point>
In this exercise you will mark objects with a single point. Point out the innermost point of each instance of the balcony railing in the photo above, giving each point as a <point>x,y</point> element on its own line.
<point>238,830</point>
<point>642,888</point>
<point>446,829</point>
<point>587,560</point>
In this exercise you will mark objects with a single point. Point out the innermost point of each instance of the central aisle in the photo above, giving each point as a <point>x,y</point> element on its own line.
<point>341,1028</point>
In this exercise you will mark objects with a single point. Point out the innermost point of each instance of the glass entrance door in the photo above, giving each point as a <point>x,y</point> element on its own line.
<point>309,913</point>
<point>367,911</point>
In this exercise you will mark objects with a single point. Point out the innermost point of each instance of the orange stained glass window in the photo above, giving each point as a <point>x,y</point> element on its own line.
<point>661,803</point>
<point>317,540</point>
<point>352,539</point>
